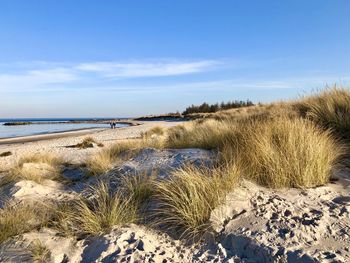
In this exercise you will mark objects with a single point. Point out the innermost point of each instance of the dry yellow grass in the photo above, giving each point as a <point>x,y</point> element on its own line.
<point>139,187</point>
<point>39,252</point>
<point>260,111</point>
<point>20,218</point>
<point>279,144</point>
<point>100,212</point>
<point>210,132</point>
<point>284,152</point>
<point>157,131</point>
<point>186,199</point>
<point>106,158</point>
<point>330,109</point>
<point>37,168</point>
<point>269,144</point>
<point>206,134</point>
<point>88,142</point>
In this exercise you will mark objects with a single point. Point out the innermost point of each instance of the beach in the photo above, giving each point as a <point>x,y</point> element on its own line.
<point>253,224</point>
<point>56,143</point>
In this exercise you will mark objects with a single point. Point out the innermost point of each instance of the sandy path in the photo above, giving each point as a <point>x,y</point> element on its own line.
<point>56,143</point>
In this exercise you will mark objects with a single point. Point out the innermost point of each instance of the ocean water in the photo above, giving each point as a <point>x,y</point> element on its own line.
<point>37,127</point>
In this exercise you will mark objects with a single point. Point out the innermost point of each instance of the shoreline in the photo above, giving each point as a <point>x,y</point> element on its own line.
<point>55,143</point>
<point>48,136</point>
<point>20,123</point>
<point>61,134</point>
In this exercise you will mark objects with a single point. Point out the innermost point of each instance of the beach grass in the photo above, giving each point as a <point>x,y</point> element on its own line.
<point>186,199</point>
<point>102,210</point>
<point>139,187</point>
<point>113,155</point>
<point>330,109</point>
<point>155,131</point>
<point>285,144</point>
<point>284,152</point>
<point>205,134</point>
<point>106,158</point>
<point>17,219</point>
<point>87,142</point>
<point>39,252</point>
<point>35,167</point>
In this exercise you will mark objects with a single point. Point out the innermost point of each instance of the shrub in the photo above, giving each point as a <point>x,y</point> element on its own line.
<point>284,152</point>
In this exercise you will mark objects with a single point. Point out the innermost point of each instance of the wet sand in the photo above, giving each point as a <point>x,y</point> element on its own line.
<point>54,135</point>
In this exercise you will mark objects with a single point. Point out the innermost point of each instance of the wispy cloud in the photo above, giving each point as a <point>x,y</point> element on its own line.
<point>115,76</point>
<point>148,69</point>
<point>36,78</point>
<point>41,74</point>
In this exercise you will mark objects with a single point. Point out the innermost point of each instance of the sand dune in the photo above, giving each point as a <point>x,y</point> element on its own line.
<point>255,224</point>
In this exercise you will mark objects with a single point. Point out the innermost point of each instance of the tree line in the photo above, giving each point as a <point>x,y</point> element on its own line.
<point>207,108</point>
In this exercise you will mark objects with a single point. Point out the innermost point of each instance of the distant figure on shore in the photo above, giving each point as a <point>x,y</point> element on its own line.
<point>113,124</point>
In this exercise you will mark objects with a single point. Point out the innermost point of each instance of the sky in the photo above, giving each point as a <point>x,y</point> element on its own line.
<point>129,58</point>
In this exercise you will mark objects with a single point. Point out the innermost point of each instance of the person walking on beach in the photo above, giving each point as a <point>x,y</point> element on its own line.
<point>114,125</point>
<point>111,124</point>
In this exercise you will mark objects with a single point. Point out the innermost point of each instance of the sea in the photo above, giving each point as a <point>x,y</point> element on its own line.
<point>50,125</point>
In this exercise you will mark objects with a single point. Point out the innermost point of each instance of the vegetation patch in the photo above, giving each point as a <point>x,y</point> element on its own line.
<point>205,134</point>
<point>100,211</point>
<point>88,142</point>
<point>39,252</point>
<point>5,154</point>
<point>21,218</point>
<point>115,154</point>
<point>155,131</point>
<point>330,109</point>
<point>37,168</point>
<point>162,117</point>
<point>284,152</point>
<point>139,187</point>
<point>186,199</point>
<point>209,108</point>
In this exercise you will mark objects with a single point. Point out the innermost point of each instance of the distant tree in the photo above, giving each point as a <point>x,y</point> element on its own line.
<point>206,108</point>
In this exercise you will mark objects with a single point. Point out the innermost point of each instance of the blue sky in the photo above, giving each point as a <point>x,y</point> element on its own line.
<point>127,58</point>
